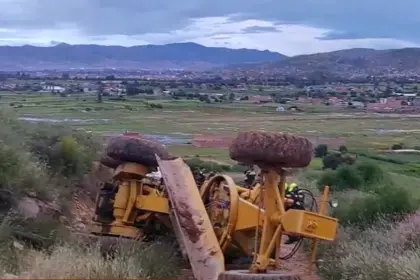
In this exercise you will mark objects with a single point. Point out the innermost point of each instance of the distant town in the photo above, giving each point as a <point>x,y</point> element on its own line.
<point>400,95</point>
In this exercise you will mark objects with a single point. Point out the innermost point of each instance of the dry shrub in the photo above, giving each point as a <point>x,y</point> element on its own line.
<point>385,252</point>
<point>8,256</point>
<point>75,261</point>
<point>34,157</point>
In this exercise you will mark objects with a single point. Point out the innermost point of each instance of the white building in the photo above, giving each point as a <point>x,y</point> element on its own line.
<point>54,88</point>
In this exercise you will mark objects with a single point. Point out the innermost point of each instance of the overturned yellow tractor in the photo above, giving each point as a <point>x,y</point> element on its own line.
<point>218,217</point>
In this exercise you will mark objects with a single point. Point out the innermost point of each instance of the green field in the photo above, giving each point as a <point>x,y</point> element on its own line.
<point>182,118</point>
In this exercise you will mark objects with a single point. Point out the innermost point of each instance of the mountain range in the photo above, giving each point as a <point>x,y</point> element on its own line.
<point>192,56</point>
<point>149,57</point>
<point>358,61</point>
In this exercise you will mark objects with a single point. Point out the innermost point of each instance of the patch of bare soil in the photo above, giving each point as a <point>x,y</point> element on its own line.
<point>298,264</point>
<point>83,201</point>
<point>82,211</point>
<point>211,141</point>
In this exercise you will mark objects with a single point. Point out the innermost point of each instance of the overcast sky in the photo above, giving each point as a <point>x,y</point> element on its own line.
<point>290,27</point>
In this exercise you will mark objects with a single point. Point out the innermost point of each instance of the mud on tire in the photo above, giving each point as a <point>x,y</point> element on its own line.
<point>271,150</point>
<point>137,150</point>
<point>110,162</point>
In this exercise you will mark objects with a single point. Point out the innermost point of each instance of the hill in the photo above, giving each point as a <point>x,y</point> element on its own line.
<point>189,56</point>
<point>357,61</point>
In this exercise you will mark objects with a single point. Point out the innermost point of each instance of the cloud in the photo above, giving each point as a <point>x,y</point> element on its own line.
<point>289,27</point>
<point>374,18</point>
<point>259,29</point>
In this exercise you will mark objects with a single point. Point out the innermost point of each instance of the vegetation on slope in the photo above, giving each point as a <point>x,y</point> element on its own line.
<point>46,164</point>
<point>379,222</point>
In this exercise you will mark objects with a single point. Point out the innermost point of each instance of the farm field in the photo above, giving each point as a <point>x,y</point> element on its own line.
<point>181,119</point>
<point>176,122</point>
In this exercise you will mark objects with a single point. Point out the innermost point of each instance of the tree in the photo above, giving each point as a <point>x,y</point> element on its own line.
<point>231,97</point>
<point>100,93</point>
<point>321,150</point>
<point>398,146</point>
<point>343,149</point>
<point>65,76</point>
<point>132,90</point>
<point>331,161</point>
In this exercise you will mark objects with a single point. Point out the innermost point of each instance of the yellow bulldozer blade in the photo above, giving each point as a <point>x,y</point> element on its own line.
<point>191,221</point>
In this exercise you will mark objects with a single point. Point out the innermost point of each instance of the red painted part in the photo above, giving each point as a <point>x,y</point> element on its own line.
<point>131,134</point>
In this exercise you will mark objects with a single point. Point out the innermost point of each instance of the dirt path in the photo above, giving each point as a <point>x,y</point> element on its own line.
<point>298,264</point>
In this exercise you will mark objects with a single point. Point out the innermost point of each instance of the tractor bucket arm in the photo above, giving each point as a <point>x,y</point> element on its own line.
<point>191,222</point>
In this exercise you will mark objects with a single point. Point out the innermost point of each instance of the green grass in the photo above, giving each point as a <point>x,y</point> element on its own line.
<point>316,164</point>
<point>196,117</point>
<point>193,117</point>
<point>185,151</point>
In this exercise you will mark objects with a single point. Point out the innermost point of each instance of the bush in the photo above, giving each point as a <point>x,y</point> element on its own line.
<point>63,150</point>
<point>41,160</point>
<point>372,173</point>
<point>321,150</point>
<point>343,149</point>
<point>42,231</point>
<point>20,174</point>
<point>343,178</point>
<point>8,257</point>
<point>382,251</point>
<point>398,146</point>
<point>370,195</point>
<point>331,161</point>
<point>348,178</point>
<point>328,178</point>
<point>197,163</point>
<point>390,203</point>
<point>362,176</point>
<point>81,261</point>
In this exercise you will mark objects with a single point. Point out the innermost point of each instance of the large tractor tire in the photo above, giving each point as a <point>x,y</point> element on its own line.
<point>110,162</point>
<point>246,275</point>
<point>137,150</point>
<point>271,150</point>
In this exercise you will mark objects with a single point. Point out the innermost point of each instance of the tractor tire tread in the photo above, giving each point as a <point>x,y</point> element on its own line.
<point>271,150</point>
<point>137,150</point>
<point>110,162</point>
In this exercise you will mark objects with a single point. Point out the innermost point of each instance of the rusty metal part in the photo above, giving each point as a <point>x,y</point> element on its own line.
<point>196,232</point>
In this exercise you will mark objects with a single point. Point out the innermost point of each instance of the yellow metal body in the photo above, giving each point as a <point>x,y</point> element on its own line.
<point>277,221</point>
<point>134,201</point>
<point>228,215</point>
